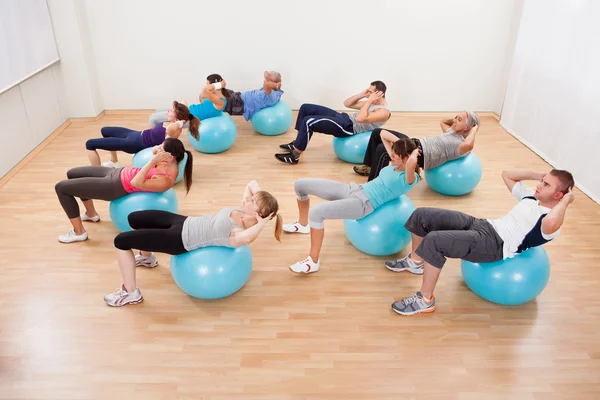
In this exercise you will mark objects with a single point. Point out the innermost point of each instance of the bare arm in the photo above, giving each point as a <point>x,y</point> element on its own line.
<point>158,183</point>
<point>388,139</point>
<point>364,116</point>
<point>469,143</point>
<point>210,94</point>
<point>411,166</point>
<point>354,101</point>
<point>446,124</point>
<point>251,189</point>
<point>555,218</point>
<point>512,177</point>
<point>247,236</point>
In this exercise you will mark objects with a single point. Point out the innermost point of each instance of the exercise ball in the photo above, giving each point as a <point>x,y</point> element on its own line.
<point>274,120</point>
<point>212,272</point>
<point>352,149</point>
<point>120,209</point>
<point>382,233</point>
<point>457,177</point>
<point>217,134</point>
<point>512,281</point>
<point>142,157</point>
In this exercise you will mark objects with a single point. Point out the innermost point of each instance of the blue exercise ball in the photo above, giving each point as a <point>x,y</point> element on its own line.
<point>457,177</point>
<point>217,134</point>
<point>352,149</point>
<point>274,120</point>
<point>512,281</point>
<point>212,272</point>
<point>142,157</point>
<point>382,232</point>
<point>120,209</point>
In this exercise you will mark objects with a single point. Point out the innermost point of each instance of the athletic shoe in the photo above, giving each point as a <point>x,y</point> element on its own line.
<point>146,261</point>
<point>85,217</point>
<point>111,164</point>
<point>122,297</point>
<point>414,304</point>
<point>288,146</point>
<point>362,170</point>
<point>305,266</point>
<point>296,227</point>
<point>288,158</point>
<point>71,237</point>
<point>405,264</point>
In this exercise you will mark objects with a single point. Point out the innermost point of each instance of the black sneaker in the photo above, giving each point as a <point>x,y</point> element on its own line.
<point>288,146</point>
<point>288,158</point>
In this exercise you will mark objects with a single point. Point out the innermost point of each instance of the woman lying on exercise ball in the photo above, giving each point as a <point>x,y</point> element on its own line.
<point>116,138</point>
<point>349,200</point>
<point>104,183</point>
<point>165,232</point>
<point>213,99</point>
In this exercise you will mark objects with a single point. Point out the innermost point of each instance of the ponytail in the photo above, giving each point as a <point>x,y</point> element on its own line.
<point>187,172</point>
<point>195,127</point>
<point>278,227</point>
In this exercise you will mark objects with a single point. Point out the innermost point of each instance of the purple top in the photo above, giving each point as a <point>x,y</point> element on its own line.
<point>154,136</point>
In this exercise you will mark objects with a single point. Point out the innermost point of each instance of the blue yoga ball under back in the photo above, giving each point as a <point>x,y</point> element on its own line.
<point>457,177</point>
<point>352,149</point>
<point>212,272</point>
<point>382,232</point>
<point>512,281</point>
<point>274,120</point>
<point>142,157</point>
<point>217,134</point>
<point>120,209</point>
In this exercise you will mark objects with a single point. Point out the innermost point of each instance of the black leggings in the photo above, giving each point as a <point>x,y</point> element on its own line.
<point>154,230</point>
<point>377,156</point>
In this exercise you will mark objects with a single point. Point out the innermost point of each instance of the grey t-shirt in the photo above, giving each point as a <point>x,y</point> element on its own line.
<point>359,127</point>
<point>440,149</point>
<point>208,230</point>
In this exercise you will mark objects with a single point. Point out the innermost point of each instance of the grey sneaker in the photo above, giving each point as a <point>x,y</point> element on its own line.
<point>146,261</point>
<point>121,297</point>
<point>413,305</point>
<point>405,264</point>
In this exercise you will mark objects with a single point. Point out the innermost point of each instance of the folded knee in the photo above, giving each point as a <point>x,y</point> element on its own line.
<point>300,189</point>
<point>91,144</point>
<point>316,217</point>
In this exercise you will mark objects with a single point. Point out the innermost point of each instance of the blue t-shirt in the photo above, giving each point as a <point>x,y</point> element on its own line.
<point>206,109</point>
<point>255,100</point>
<point>389,185</point>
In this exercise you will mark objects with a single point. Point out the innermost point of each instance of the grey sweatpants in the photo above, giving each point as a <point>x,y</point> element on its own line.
<point>448,233</point>
<point>159,117</point>
<point>100,183</point>
<point>346,200</point>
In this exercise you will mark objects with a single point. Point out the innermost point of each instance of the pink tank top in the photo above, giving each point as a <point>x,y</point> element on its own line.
<point>128,173</point>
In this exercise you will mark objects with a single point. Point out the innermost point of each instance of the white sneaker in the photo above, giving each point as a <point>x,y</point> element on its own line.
<point>146,261</point>
<point>306,266</point>
<point>71,237</point>
<point>85,217</point>
<point>122,297</point>
<point>111,164</point>
<point>296,227</point>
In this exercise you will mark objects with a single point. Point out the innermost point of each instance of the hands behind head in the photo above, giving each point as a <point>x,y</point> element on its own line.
<point>415,154</point>
<point>259,218</point>
<point>569,197</point>
<point>375,96</point>
<point>161,156</point>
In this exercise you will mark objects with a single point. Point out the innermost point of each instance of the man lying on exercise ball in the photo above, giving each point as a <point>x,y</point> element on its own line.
<point>438,234</point>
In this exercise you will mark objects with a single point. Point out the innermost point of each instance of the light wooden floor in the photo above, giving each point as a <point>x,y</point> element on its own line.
<point>329,335</point>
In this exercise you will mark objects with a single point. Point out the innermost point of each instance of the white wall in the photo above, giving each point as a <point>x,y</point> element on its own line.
<point>29,113</point>
<point>434,55</point>
<point>34,109</point>
<point>551,101</point>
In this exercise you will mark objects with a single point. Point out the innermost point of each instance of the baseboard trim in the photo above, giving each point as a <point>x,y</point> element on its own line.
<point>14,170</point>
